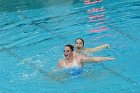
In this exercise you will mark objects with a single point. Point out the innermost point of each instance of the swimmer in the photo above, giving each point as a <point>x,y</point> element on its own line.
<point>72,65</point>
<point>80,50</point>
<point>71,61</point>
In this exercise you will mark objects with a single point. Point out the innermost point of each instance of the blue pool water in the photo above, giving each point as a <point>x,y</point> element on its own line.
<point>34,32</point>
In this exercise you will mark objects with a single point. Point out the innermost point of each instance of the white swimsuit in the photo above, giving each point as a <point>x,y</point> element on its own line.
<point>75,69</point>
<point>74,65</point>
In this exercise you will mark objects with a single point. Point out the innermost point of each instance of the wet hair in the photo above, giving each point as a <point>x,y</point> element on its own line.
<point>80,39</point>
<point>70,46</point>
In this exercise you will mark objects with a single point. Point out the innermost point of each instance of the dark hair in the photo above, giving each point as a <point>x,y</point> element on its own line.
<point>70,46</point>
<point>80,39</point>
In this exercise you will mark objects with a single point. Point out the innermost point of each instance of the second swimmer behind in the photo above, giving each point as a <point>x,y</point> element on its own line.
<point>80,50</point>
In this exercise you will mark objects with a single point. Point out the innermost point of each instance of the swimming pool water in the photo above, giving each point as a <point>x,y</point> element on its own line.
<point>33,34</point>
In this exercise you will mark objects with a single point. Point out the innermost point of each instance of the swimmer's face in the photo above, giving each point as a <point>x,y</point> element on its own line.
<point>79,44</point>
<point>67,52</point>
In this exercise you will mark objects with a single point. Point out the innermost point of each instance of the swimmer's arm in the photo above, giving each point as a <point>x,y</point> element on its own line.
<point>59,65</point>
<point>98,48</point>
<point>95,59</point>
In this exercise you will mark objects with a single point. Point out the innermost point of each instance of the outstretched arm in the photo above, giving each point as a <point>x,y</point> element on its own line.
<point>59,65</point>
<point>98,48</point>
<point>95,59</point>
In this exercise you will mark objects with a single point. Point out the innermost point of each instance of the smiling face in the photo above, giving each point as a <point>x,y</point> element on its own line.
<point>68,53</point>
<point>79,44</point>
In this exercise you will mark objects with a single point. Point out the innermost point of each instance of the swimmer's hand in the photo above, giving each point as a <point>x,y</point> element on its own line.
<point>111,58</point>
<point>105,58</point>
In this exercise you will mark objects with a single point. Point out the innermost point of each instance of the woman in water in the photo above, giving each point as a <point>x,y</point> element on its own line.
<point>80,50</point>
<point>72,63</point>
